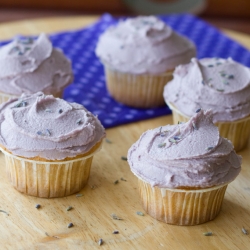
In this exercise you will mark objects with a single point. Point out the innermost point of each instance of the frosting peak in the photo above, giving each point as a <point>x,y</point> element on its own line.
<point>190,154</point>
<point>142,27</point>
<point>48,127</point>
<point>222,85</point>
<point>144,44</point>
<point>28,66</point>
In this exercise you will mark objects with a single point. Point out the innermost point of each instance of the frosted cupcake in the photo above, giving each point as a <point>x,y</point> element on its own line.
<point>139,56</point>
<point>221,85</point>
<point>28,66</point>
<point>183,170</point>
<point>48,144</point>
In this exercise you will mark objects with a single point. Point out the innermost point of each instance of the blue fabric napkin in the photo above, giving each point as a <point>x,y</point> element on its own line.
<point>89,87</point>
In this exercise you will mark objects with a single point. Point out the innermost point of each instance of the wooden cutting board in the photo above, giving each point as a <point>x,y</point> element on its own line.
<point>46,228</point>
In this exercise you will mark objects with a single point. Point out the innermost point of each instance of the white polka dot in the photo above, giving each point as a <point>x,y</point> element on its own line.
<point>99,84</point>
<point>108,121</point>
<point>106,100</point>
<point>95,90</point>
<point>77,46</point>
<point>150,112</point>
<point>83,80</point>
<point>74,91</point>
<point>83,60</point>
<point>113,115</point>
<point>97,112</point>
<point>78,66</point>
<point>97,63</point>
<point>87,55</point>
<point>70,99</point>
<point>88,75</point>
<point>129,116</point>
<point>93,69</point>
<point>117,109</point>
<point>133,111</point>
<point>85,102</point>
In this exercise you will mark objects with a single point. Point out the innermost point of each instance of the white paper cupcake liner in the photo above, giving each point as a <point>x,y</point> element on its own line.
<point>48,179</point>
<point>180,206</point>
<point>141,91</point>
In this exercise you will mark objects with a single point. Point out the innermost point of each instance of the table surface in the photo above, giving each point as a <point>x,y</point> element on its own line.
<point>46,228</point>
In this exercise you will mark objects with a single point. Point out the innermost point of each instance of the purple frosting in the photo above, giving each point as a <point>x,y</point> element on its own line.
<point>190,154</point>
<point>48,127</point>
<point>28,66</point>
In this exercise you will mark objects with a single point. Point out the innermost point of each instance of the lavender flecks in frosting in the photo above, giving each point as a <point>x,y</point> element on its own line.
<point>21,46</point>
<point>227,94</point>
<point>153,46</point>
<point>29,131</point>
<point>28,66</point>
<point>200,159</point>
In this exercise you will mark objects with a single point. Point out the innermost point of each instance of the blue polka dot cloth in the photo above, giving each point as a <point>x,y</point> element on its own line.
<point>89,87</point>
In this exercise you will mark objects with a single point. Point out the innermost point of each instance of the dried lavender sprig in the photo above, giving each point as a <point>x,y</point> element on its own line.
<point>244,231</point>
<point>208,234</point>
<point>115,217</point>
<point>38,206</point>
<point>69,208</point>
<point>161,145</point>
<point>40,133</point>
<point>140,213</point>
<point>209,148</point>
<point>79,121</point>
<point>70,225</point>
<point>20,104</point>
<point>2,211</point>
<point>124,158</point>
<point>108,141</point>
<point>100,242</point>
<point>194,125</point>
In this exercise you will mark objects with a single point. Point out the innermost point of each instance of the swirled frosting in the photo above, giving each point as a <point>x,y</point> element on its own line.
<point>48,127</point>
<point>28,66</point>
<point>221,85</point>
<point>143,44</point>
<point>191,154</point>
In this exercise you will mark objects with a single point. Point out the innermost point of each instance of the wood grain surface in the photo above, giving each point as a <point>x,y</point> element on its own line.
<point>27,227</point>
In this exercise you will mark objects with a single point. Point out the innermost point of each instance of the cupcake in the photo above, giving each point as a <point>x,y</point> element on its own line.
<point>139,55</point>
<point>28,66</point>
<point>48,144</point>
<point>221,85</point>
<point>183,170</point>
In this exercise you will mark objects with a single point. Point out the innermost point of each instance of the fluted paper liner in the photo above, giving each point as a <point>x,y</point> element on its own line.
<point>180,206</point>
<point>5,97</point>
<point>48,179</point>
<point>140,91</point>
<point>238,132</point>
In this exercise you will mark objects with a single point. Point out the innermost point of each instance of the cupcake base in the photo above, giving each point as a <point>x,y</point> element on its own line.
<point>238,132</point>
<point>140,91</point>
<point>182,206</point>
<point>49,179</point>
